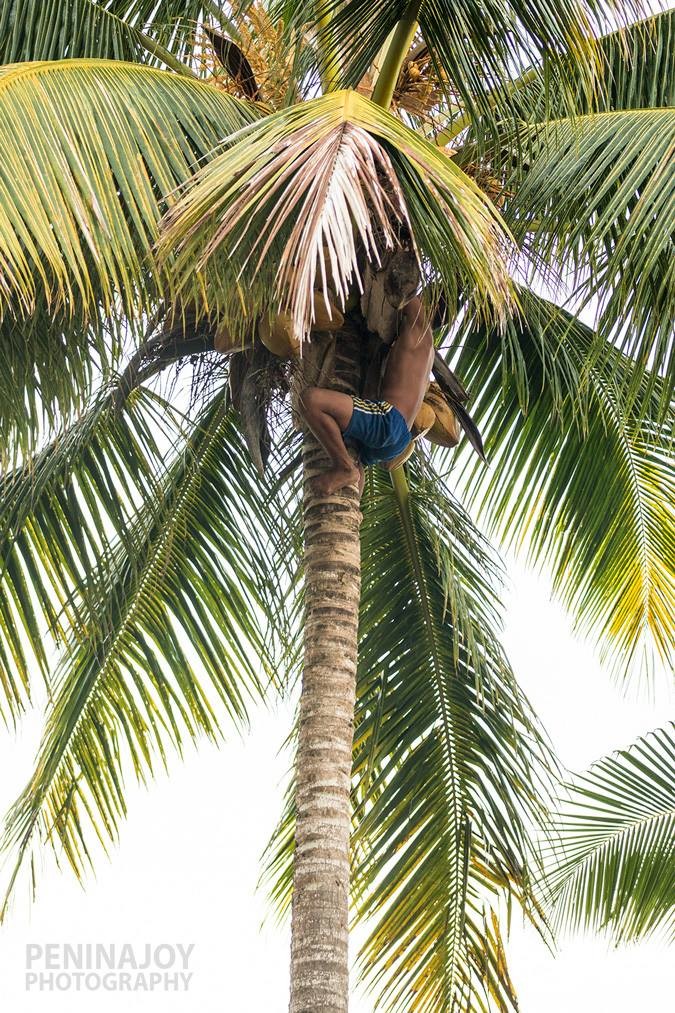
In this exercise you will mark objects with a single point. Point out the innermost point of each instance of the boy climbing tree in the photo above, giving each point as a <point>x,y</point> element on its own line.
<point>379,429</point>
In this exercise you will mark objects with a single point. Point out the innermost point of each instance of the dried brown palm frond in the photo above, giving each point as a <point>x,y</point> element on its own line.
<point>260,66</point>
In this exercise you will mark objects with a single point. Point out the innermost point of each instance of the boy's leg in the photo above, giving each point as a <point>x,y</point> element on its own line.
<point>327,413</point>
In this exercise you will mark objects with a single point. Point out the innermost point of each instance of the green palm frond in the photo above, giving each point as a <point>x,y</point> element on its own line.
<point>173,22</point>
<point>186,602</point>
<point>598,204</point>
<point>75,29</point>
<point>256,219</point>
<point>636,70</point>
<point>60,511</point>
<point>56,30</point>
<point>477,48</point>
<point>50,363</point>
<point>450,768</point>
<point>91,148</point>
<point>614,868</point>
<point>159,32</point>
<point>550,420</point>
<point>639,65</point>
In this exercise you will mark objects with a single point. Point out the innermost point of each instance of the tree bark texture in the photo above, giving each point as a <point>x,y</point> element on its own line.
<point>319,932</point>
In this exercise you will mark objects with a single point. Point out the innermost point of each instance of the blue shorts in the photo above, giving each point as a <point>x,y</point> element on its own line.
<point>378,429</point>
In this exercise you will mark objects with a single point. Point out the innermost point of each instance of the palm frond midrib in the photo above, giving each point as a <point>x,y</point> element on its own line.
<point>458,850</point>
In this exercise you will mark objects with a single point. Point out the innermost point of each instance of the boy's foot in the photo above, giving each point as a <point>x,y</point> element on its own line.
<point>338,478</point>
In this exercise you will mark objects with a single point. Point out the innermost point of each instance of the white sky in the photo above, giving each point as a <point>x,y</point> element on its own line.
<point>187,865</point>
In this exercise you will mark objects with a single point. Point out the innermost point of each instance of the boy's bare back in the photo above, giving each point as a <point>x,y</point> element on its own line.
<point>406,376</point>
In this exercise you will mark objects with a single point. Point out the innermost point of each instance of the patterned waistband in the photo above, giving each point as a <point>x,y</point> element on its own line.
<point>372,407</point>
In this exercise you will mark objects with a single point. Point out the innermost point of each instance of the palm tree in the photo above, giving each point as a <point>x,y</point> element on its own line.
<point>173,181</point>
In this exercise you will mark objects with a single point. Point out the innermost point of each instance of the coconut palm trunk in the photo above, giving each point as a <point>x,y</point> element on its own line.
<point>319,932</point>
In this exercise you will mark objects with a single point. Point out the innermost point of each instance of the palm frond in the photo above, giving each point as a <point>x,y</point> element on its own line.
<point>636,70</point>
<point>477,48</point>
<point>321,174</point>
<point>60,510</point>
<point>450,769</point>
<point>638,65</point>
<point>91,148</point>
<point>172,24</point>
<point>551,416</point>
<point>182,604</point>
<point>159,32</point>
<point>598,204</point>
<point>72,29</point>
<point>50,363</point>
<point>614,868</point>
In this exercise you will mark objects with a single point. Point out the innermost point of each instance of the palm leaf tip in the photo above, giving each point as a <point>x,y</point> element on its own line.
<point>302,198</point>
<point>613,866</point>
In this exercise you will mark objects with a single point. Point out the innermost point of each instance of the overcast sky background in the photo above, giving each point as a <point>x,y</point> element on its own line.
<point>187,864</point>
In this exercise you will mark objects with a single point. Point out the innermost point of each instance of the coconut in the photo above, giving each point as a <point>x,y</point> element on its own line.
<point>425,418</point>
<point>445,431</point>
<point>278,335</point>
<point>327,317</point>
<point>224,342</point>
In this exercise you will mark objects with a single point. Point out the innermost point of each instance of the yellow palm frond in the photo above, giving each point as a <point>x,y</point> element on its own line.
<point>91,148</point>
